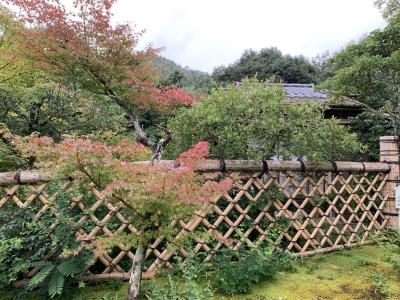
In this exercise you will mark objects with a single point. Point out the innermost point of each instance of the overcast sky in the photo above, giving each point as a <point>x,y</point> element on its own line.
<point>208,33</point>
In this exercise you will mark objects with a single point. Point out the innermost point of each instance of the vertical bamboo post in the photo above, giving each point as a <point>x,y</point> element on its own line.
<point>389,152</point>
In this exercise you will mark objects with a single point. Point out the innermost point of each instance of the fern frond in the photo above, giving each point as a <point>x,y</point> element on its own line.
<point>56,284</point>
<point>40,276</point>
<point>70,268</point>
<point>40,264</point>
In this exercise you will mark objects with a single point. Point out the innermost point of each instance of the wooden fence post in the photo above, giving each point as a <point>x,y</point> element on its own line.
<point>389,152</point>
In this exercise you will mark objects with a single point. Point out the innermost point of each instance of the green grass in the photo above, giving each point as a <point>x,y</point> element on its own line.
<point>340,276</point>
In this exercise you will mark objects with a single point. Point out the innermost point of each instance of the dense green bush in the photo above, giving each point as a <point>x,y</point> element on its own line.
<point>254,122</point>
<point>229,273</point>
<point>368,70</point>
<point>238,272</point>
<point>26,243</point>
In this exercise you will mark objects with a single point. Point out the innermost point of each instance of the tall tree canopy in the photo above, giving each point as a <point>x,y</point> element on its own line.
<point>31,101</point>
<point>83,48</point>
<point>254,122</point>
<point>370,72</point>
<point>389,8</point>
<point>266,63</point>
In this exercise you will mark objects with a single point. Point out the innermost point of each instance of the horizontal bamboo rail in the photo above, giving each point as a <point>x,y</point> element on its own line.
<point>334,248</point>
<point>26,177</point>
<point>289,165</point>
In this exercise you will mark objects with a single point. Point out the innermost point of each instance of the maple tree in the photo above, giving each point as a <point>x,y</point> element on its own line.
<point>83,48</point>
<point>152,194</point>
<point>31,101</point>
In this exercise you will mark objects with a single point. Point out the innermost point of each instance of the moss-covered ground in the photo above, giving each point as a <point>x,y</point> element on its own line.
<point>340,275</point>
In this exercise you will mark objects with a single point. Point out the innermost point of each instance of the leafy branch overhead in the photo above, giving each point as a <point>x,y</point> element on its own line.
<point>369,72</point>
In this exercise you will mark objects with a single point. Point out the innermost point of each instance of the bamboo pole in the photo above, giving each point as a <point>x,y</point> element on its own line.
<point>289,165</point>
<point>24,177</point>
<point>93,277</point>
<point>27,177</point>
<point>334,248</point>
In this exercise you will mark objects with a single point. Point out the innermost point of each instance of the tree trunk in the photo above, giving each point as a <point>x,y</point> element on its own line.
<point>158,149</point>
<point>136,274</point>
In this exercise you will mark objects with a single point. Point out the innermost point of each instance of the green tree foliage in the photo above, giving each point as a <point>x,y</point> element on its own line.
<point>30,101</point>
<point>321,63</point>
<point>10,158</point>
<point>82,48</point>
<point>266,63</point>
<point>389,8</point>
<point>254,122</point>
<point>369,71</point>
<point>53,110</point>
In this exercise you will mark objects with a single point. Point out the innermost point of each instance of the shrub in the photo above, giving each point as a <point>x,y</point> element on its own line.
<point>238,272</point>
<point>25,244</point>
<point>363,262</point>
<point>191,271</point>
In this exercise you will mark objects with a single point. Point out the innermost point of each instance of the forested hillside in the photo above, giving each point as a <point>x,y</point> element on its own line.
<point>173,74</point>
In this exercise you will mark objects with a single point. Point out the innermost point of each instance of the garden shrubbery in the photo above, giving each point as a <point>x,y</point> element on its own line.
<point>47,244</point>
<point>228,273</point>
<point>238,272</point>
<point>193,286</point>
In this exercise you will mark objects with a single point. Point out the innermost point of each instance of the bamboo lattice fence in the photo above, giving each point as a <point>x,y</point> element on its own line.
<point>340,204</point>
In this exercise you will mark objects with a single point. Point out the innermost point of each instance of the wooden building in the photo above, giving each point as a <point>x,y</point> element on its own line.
<point>341,108</point>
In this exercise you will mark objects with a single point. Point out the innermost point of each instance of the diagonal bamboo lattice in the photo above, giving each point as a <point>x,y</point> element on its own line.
<point>320,210</point>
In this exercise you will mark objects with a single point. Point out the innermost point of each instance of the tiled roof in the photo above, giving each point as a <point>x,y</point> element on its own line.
<point>302,91</point>
<point>298,90</point>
